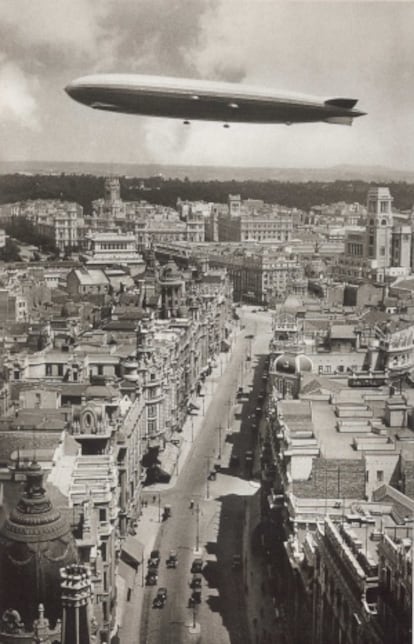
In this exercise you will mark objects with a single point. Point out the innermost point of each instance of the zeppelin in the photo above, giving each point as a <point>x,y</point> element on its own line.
<point>206,100</point>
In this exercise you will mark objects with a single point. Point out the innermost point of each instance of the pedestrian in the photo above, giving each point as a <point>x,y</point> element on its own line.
<point>154,498</point>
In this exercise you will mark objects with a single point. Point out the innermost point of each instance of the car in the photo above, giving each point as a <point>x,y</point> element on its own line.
<point>212,475</point>
<point>236,561</point>
<point>197,565</point>
<point>151,578</point>
<point>158,602</point>
<point>172,560</point>
<point>234,460</point>
<point>196,596</point>
<point>196,581</point>
<point>154,559</point>
<point>162,592</point>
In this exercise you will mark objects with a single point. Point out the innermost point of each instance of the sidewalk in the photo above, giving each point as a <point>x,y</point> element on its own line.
<point>129,608</point>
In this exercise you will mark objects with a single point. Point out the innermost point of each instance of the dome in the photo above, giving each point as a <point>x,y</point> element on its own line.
<point>35,542</point>
<point>292,303</point>
<point>292,363</point>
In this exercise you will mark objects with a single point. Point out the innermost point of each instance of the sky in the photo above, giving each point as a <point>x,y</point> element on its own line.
<point>362,49</point>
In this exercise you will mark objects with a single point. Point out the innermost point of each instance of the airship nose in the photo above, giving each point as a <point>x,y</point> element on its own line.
<point>71,89</point>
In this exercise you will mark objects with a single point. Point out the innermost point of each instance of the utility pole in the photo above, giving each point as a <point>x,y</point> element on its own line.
<point>192,427</point>
<point>197,526</point>
<point>229,405</point>
<point>207,479</point>
<point>159,507</point>
<point>219,445</point>
<point>142,569</point>
<point>203,399</point>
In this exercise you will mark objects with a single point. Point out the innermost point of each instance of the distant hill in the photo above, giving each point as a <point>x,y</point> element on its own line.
<point>211,173</point>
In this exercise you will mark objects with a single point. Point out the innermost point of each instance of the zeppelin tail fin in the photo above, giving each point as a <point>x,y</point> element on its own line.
<point>346,103</point>
<point>339,120</point>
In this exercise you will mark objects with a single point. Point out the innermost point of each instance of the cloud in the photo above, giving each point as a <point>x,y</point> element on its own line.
<point>359,49</point>
<point>17,101</point>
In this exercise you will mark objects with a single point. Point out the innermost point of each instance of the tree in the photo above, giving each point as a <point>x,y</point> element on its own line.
<point>10,253</point>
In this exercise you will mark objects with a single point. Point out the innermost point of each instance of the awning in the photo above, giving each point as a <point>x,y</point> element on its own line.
<point>168,459</point>
<point>127,573</point>
<point>132,551</point>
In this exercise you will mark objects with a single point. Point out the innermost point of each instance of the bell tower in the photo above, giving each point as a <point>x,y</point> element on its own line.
<point>379,228</point>
<point>112,189</point>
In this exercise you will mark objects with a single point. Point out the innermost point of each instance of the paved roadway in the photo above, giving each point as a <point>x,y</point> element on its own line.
<point>217,528</point>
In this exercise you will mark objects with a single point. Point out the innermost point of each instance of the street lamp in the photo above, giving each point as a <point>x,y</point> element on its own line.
<point>197,527</point>
<point>229,405</point>
<point>207,479</point>
<point>219,445</point>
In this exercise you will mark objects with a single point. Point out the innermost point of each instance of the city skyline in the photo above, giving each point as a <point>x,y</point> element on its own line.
<point>362,49</point>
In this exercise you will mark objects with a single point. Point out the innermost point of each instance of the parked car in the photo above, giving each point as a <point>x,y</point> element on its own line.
<point>196,596</point>
<point>151,578</point>
<point>162,592</point>
<point>154,559</point>
<point>172,560</point>
<point>236,562</point>
<point>196,581</point>
<point>234,460</point>
<point>197,565</point>
<point>248,456</point>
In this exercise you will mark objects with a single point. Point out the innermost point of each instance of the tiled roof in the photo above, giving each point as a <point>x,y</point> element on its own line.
<point>407,284</point>
<point>121,325</point>
<point>91,277</point>
<point>295,408</point>
<point>11,441</point>
<point>342,332</point>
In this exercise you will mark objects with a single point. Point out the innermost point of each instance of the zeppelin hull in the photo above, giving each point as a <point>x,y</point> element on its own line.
<point>209,105</point>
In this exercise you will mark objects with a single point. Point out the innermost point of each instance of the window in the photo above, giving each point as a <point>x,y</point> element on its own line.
<point>152,426</point>
<point>48,369</point>
<point>380,476</point>
<point>60,369</point>
<point>100,370</point>
<point>102,514</point>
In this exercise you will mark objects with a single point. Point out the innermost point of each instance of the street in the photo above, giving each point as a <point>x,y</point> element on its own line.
<point>215,525</point>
